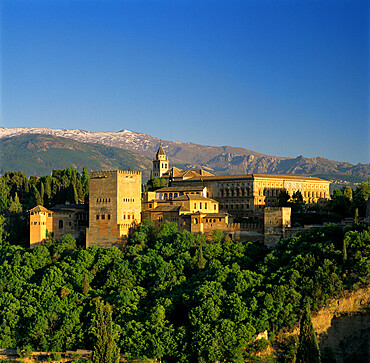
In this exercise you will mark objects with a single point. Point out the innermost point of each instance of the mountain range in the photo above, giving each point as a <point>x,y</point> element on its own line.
<point>215,159</point>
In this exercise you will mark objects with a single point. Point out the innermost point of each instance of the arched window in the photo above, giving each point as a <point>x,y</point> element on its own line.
<point>60,224</point>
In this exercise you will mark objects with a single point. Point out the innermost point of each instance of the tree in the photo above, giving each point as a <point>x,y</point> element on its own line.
<point>347,192</point>
<point>297,202</point>
<point>283,199</point>
<point>86,286</point>
<point>308,348</point>
<point>105,348</point>
<point>15,205</point>
<point>4,195</point>
<point>201,262</point>
<point>356,219</point>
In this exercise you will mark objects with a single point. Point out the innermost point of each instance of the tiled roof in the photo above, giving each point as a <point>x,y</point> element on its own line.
<point>180,189</point>
<point>169,208</point>
<point>160,151</point>
<point>39,208</point>
<point>193,197</point>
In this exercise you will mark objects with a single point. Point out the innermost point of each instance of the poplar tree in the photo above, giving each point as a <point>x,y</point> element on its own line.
<point>308,347</point>
<point>105,348</point>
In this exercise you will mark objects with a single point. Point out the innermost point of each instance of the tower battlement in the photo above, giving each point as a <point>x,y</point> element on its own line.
<point>113,172</point>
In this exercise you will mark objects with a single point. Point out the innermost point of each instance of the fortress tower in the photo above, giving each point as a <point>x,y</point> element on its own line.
<point>160,163</point>
<point>114,206</point>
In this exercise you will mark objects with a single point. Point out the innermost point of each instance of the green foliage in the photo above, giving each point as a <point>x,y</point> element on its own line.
<point>283,199</point>
<point>163,305</point>
<point>15,205</point>
<point>105,348</point>
<point>308,347</point>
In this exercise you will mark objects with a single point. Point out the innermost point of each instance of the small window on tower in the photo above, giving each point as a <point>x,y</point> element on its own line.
<point>97,216</point>
<point>103,216</point>
<point>108,216</point>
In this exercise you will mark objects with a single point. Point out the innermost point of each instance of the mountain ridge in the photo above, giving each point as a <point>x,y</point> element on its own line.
<point>216,159</point>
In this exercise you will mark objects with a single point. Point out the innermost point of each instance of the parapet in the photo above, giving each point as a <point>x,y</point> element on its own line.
<point>102,174</point>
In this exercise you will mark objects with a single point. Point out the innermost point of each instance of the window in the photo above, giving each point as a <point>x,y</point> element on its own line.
<point>128,217</point>
<point>60,224</point>
<point>214,207</point>
<point>103,216</point>
<point>205,205</point>
<point>195,205</point>
<point>200,205</point>
<point>108,216</point>
<point>97,216</point>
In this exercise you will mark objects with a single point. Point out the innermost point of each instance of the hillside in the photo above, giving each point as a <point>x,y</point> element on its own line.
<point>216,159</point>
<point>39,154</point>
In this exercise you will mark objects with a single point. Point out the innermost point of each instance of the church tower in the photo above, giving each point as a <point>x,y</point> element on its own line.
<point>160,163</point>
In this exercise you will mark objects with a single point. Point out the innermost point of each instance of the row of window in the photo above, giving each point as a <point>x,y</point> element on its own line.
<point>130,200</point>
<point>234,206</point>
<point>103,200</point>
<point>129,216</point>
<point>234,193</point>
<point>214,220</point>
<point>205,206</point>
<point>102,216</point>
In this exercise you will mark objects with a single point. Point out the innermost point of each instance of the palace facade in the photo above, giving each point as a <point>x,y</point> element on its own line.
<point>195,200</point>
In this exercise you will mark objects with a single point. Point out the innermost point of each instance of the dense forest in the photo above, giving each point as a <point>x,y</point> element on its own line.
<point>173,295</point>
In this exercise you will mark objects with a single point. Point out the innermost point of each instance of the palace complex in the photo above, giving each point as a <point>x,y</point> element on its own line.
<point>195,200</point>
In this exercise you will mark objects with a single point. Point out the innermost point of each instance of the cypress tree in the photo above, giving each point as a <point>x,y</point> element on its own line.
<point>308,348</point>
<point>356,219</point>
<point>201,262</point>
<point>86,286</point>
<point>42,193</point>
<point>344,250</point>
<point>15,205</point>
<point>105,348</point>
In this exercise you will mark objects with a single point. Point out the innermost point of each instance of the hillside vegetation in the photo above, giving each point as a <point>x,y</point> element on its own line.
<point>174,295</point>
<point>40,154</point>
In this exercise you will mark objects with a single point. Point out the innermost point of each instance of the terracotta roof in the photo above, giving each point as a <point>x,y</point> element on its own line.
<point>169,208</point>
<point>178,173</point>
<point>215,215</point>
<point>193,197</point>
<point>180,189</point>
<point>160,151</point>
<point>39,208</point>
<point>68,208</point>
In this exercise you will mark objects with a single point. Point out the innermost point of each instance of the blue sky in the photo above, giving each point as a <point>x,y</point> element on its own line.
<point>283,78</point>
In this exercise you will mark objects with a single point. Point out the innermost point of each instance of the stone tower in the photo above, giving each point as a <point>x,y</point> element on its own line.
<point>160,163</point>
<point>114,207</point>
<point>41,221</point>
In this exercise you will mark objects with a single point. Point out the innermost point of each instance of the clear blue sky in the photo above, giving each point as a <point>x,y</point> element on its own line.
<point>283,78</point>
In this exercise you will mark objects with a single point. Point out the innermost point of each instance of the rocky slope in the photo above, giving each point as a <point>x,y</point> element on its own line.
<point>216,159</point>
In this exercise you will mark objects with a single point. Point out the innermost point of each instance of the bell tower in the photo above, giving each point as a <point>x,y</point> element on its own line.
<point>160,163</point>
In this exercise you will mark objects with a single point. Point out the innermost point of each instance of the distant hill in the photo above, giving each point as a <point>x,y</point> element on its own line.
<point>215,159</point>
<point>39,154</point>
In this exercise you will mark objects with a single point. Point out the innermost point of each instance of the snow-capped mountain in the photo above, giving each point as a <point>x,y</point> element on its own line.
<point>216,159</point>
